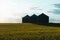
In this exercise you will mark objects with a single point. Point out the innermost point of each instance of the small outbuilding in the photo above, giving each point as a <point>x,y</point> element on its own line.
<point>43,19</point>
<point>26,19</point>
<point>33,18</point>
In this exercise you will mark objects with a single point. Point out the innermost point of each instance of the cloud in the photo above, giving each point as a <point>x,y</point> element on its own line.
<point>35,8</point>
<point>55,19</point>
<point>57,5</point>
<point>55,11</point>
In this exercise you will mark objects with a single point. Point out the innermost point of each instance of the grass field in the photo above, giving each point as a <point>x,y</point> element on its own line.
<point>27,31</point>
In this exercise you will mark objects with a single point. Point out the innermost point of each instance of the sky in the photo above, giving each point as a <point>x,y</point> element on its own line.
<point>12,11</point>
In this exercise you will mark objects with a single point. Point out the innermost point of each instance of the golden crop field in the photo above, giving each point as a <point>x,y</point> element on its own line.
<point>28,31</point>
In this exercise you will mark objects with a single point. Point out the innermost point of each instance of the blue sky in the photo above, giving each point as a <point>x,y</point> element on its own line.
<point>12,11</point>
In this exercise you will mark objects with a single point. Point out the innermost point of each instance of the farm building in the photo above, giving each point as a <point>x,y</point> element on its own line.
<point>26,19</point>
<point>33,18</point>
<point>41,19</point>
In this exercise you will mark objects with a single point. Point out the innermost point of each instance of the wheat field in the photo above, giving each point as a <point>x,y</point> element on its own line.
<point>28,31</point>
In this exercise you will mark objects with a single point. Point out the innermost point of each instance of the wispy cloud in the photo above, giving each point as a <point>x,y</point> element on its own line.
<point>57,5</point>
<point>54,11</point>
<point>35,8</point>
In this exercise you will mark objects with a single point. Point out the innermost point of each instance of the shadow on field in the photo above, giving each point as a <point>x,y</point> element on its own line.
<point>51,24</point>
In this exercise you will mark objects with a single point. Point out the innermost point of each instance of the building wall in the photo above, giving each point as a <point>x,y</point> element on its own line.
<point>41,19</point>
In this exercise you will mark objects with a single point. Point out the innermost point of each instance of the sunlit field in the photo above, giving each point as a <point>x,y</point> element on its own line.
<point>28,31</point>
